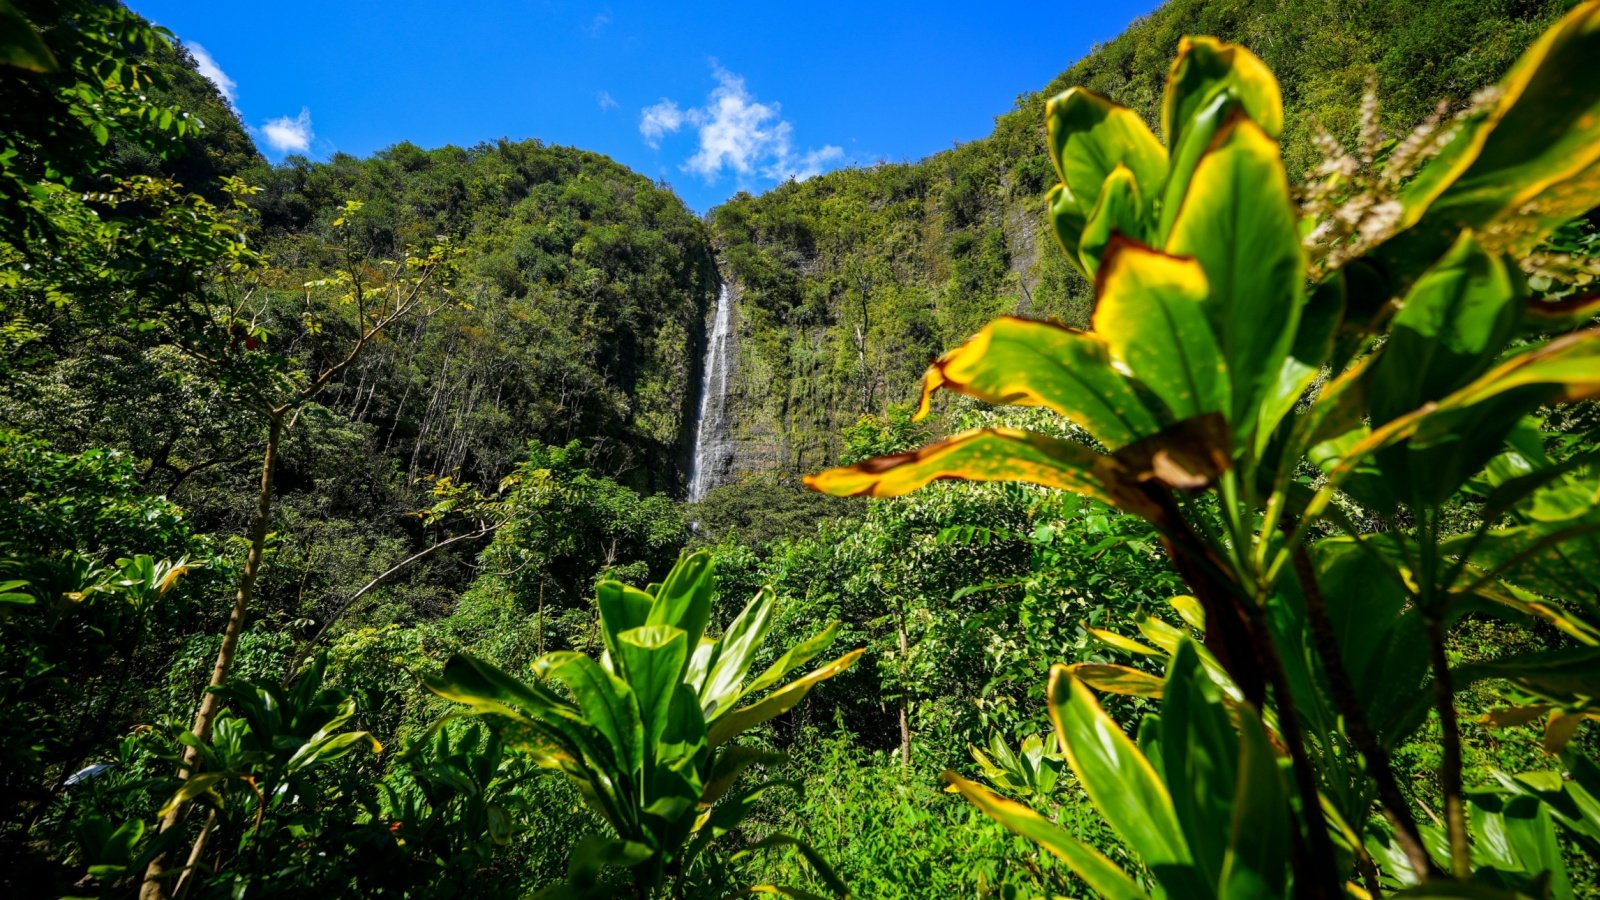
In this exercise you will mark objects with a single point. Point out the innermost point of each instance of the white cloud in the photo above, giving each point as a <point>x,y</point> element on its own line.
<point>287,135</point>
<point>737,133</point>
<point>809,164</point>
<point>606,101</point>
<point>207,65</point>
<point>599,23</point>
<point>659,121</point>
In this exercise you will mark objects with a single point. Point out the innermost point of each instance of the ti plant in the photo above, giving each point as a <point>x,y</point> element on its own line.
<point>646,732</point>
<point>1247,410</point>
<point>1030,771</point>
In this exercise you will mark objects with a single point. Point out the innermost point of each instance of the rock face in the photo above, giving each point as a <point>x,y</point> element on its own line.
<point>714,447</point>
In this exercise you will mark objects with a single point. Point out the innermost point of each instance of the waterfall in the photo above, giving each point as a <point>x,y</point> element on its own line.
<point>713,450</point>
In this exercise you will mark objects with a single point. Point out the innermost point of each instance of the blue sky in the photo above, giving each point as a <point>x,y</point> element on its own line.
<point>712,97</point>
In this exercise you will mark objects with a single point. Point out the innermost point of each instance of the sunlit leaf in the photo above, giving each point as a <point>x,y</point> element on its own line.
<point>1238,221</point>
<point>1091,135</point>
<point>1151,311</point>
<point>1021,362</point>
<point>1101,874</point>
<point>985,454</point>
<point>1120,781</point>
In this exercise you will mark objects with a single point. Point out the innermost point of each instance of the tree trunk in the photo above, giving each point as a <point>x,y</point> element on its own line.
<point>210,702</point>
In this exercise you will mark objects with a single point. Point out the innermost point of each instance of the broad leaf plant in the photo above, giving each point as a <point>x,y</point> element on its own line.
<point>1308,442</point>
<point>648,732</point>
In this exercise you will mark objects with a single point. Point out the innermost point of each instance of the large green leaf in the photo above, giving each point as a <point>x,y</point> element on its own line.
<point>985,454</point>
<point>480,685</point>
<point>651,658</point>
<point>1259,840</point>
<point>1238,221</point>
<point>1513,834</point>
<point>1101,874</point>
<point>1022,362</point>
<point>1091,135</point>
<point>1120,211</point>
<point>684,598</point>
<point>777,703</point>
<point>733,653</point>
<point>1122,784</point>
<point>1568,801</point>
<point>1379,632</point>
<point>1200,753</point>
<point>1151,312</point>
<point>1564,370</point>
<point>1210,83</point>
<point>1206,67</point>
<point>621,608</point>
<point>1453,324</point>
<point>1568,670</point>
<point>608,705</point>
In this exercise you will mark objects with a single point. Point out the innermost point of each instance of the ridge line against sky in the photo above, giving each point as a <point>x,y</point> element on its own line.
<point>712,98</point>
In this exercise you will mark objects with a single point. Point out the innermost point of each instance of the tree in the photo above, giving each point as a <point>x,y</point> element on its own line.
<point>226,332</point>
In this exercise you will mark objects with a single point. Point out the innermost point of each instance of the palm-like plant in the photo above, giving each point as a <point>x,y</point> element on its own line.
<point>646,731</point>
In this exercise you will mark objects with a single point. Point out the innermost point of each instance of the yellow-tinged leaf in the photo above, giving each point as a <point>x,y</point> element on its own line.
<point>1117,679</point>
<point>1118,642</point>
<point>1238,221</point>
<point>1151,311</point>
<point>1509,716</point>
<point>1190,610</point>
<point>1560,727</point>
<point>985,454</point>
<point>1100,873</point>
<point>1119,780</point>
<point>1120,211</point>
<point>1529,161</point>
<point>1565,370</point>
<point>778,702</point>
<point>1023,362</point>
<point>1161,634</point>
<point>1206,67</point>
<point>1090,135</point>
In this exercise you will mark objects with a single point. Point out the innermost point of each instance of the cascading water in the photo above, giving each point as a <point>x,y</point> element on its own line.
<point>713,451</point>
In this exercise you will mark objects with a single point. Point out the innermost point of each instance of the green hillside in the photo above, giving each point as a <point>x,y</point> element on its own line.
<point>853,280</point>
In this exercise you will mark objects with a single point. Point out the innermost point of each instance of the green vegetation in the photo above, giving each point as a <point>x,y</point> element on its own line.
<point>1196,381</point>
<point>851,281</point>
<point>329,487</point>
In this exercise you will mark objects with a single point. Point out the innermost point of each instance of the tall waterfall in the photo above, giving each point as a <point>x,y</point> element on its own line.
<point>713,450</point>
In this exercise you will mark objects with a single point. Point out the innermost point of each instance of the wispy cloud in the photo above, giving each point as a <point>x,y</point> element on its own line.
<point>287,135</point>
<point>737,133</point>
<point>660,120</point>
<point>207,65</point>
<point>606,101</point>
<point>598,23</point>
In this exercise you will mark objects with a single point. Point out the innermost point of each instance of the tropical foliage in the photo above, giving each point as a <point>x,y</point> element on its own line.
<point>327,482</point>
<point>1241,408</point>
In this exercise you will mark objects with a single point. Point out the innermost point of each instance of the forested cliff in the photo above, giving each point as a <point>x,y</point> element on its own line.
<point>851,282</point>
